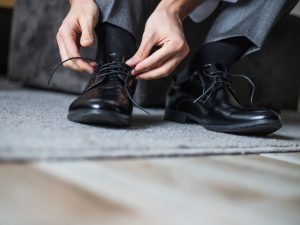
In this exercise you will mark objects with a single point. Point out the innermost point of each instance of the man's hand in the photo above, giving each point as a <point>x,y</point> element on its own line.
<point>76,31</point>
<point>163,29</point>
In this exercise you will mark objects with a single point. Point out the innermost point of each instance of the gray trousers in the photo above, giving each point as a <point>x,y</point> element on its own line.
<point>252,19</point>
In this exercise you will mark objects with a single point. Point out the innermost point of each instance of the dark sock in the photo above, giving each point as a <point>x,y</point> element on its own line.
<point>225,52</point>
<point>117,40</point>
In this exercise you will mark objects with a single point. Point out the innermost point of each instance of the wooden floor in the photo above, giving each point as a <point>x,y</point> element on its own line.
<point>258,189</point>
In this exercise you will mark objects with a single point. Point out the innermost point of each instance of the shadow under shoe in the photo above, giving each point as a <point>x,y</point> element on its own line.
<point>107,98</point>
<point>217,108</point>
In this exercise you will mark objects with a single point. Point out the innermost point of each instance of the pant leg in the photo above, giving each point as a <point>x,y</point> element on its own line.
<point>130,15</point>
<point>252,19</point>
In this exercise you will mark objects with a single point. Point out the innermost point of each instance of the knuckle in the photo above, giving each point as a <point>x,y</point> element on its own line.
<point>140,55</point>
<point>178,48</point>
<point>61,31</point>
<point>63,26</point>
<point>66,25</point>
<point>142,68</point>
<point>67,22</point>
<point>179,44</point>
<point>186,50</point>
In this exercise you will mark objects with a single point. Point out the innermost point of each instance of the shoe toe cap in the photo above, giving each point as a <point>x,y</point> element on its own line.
<point>256,115</point>
<point>265,114</point>
<point>96,104</point>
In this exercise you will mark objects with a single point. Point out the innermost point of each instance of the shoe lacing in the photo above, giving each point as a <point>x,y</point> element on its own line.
<point>115,67</point>
<point>223,78</point>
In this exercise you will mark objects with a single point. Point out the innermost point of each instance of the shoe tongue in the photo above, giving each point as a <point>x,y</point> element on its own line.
<point>214,72</point>
<point>214,68</point>
<point>115,68</point>
<point>114,57</point>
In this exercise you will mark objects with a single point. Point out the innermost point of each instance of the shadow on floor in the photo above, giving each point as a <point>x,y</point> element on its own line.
<point>146,121</point>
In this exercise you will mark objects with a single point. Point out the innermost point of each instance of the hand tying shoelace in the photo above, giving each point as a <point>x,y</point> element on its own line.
<point>223,78</point>
<point>102,73</point>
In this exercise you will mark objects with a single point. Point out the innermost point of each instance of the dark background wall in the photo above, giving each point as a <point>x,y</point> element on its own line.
<point>5,25</point>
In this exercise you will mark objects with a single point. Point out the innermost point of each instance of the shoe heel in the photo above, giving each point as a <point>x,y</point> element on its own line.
<point>174,116</point>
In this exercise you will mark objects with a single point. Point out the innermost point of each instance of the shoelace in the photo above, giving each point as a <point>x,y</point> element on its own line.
<point>115,67</point>
<point>223,78</point>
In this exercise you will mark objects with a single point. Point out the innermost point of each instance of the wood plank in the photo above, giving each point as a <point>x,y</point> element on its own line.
<point>293,158</point>
<point>210,190</point>
<point>242,190</point>
<point>31,197</point>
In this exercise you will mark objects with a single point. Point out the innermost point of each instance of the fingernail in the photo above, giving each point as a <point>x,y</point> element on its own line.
<point>93,64</point>
<point>130,61</point>
<point>86,41</point>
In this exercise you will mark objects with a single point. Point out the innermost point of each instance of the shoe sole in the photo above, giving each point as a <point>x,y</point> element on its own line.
<point>259,127</point>
<point>99,117</point>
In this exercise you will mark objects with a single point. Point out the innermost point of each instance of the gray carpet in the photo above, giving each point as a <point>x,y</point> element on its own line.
<point>33,125</point>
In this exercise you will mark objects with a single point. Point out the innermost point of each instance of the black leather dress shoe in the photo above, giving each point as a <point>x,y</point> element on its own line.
<point>207,97</point>
<point>107,98</point>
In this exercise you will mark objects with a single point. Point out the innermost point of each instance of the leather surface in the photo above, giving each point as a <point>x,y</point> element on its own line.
<point>222,107</point>
<point>107,92</point>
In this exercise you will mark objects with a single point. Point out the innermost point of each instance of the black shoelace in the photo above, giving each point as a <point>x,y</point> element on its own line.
<point>223,78</point>
<point>115,67</point>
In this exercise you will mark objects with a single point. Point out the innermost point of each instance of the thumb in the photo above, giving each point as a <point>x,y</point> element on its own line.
<point>86,38</point>
<point>143,51</point>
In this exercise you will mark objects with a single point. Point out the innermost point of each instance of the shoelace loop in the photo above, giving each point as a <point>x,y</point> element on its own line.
<point>114,67</point>
<point>223,78</point>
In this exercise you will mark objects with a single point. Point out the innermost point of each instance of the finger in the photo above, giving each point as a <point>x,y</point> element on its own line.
<point>159,72</point>
<point>92,64</point>
<point>143,52</point>
<point>156,59</point>
<point>64,55</point>
<point>87,38</point>
<point>61,47</point>
<point>69,39</point>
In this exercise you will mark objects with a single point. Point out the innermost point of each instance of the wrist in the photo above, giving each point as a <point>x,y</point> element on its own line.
<point>180,8</point>
<point>79,1</point>
<point>175,7</point>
